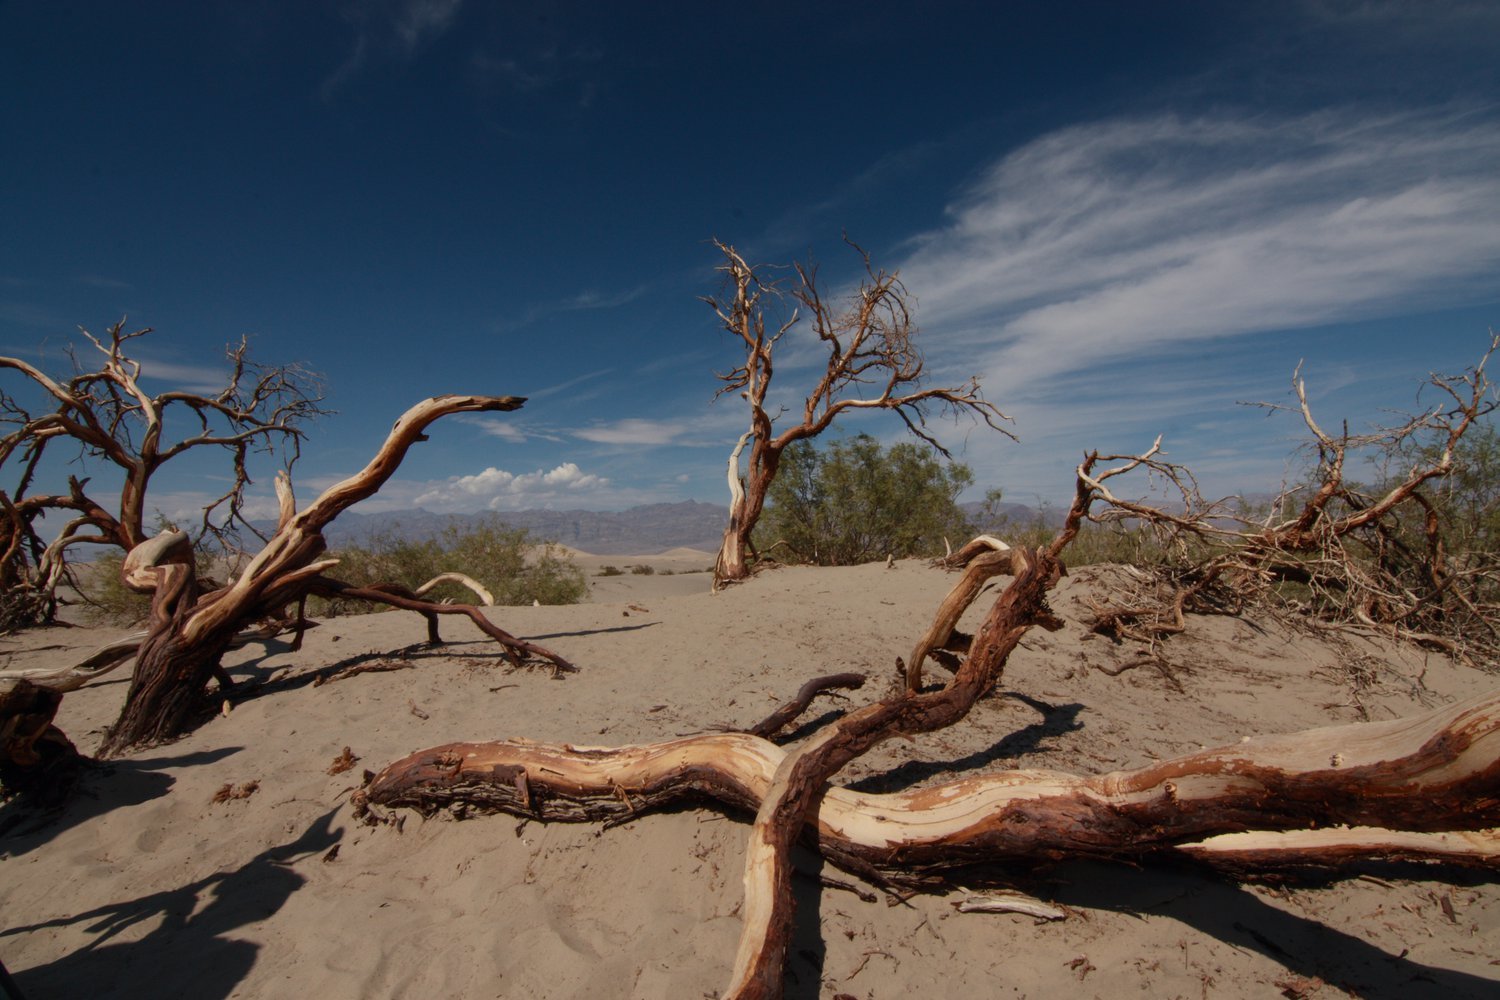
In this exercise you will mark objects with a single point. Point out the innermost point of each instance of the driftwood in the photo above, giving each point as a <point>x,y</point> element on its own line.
<point>486,599</point>
<point>983,559</point>
<point>784,716</point>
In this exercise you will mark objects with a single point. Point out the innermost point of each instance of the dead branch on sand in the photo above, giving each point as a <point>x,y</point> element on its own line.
<point>1393,558</point>
<point>190,630</point>
<point>1418,788</point>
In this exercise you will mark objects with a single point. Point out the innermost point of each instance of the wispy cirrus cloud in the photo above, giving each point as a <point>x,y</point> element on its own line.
<point>1090,275</point>
<point>389,29</point>
<point>508,429</point>
<point>634,431</point>
<point>588,300</point>
<point>1110,239</point>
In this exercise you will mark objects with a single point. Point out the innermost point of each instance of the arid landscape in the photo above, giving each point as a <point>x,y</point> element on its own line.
<point>230,863</point>
<point>737,503</point>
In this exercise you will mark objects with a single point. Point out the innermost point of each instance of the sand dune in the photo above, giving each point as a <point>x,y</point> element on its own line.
<point>146,887</point>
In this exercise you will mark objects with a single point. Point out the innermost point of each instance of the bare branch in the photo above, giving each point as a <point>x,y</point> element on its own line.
<point>873,363</point>
<point>107,412</point>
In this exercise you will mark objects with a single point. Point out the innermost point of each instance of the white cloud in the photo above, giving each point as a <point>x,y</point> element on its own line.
<point>1114,238</point>
<point>552,390</point>
<point>1105,280</point>
<point>634,431</point>
<point>588,300</point>
<point>506,429</point>
<point>415,21</point>
<point>192,378</point>
<point>497,489</point>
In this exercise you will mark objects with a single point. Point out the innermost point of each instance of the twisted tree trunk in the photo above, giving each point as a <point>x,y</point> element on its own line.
<point>189,633</point>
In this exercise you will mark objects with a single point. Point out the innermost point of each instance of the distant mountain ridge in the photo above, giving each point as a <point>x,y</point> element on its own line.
<point>645,530</point>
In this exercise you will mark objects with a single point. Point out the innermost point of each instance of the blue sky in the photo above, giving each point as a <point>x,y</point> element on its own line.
<point>1126,218</point>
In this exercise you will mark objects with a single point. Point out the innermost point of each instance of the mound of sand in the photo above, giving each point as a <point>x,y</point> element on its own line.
<point>152,884</point>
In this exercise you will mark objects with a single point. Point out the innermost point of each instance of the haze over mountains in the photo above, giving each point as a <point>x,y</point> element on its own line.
<point>645,530</point>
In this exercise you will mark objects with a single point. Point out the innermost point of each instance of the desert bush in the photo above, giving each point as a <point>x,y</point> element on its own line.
<point>107,600</point>
<point>1095,544</point>
<point>643,570</point>
<point>610,571</point>
<point>507,561</point>
<point>1467,500</point>
<point>855,502</point>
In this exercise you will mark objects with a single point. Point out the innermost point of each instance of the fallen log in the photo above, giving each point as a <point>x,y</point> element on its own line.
<point>1425,787</point>
<point>1419,780</point>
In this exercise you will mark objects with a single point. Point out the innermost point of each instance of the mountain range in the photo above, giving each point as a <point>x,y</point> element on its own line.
<point>645,530</point>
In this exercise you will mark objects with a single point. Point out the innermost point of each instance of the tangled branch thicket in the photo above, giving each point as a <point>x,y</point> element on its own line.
<point>103,417</point>
<point>1412,556</point>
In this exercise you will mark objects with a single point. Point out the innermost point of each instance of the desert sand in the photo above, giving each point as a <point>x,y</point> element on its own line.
<point>145,886</point>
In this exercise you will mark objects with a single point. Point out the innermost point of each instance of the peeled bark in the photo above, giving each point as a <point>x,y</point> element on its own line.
<point>730,565</point>
<point>189,634</point>
<point>166,689</point>
<point>800,780</point>
<point>983,562</point>
<point>1422,787</point>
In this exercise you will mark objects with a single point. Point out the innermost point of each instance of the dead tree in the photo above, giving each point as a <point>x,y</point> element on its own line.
<point>873,363</point>
<point>1331,551</point>
<point>103,415</point>
<point>178,655</point>
<point>1426,788</point>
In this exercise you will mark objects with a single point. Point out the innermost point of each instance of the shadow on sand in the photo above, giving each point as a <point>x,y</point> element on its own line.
<point>1056,720</point>
<point>102,787</point>
<point>1237,916</point>
<point>189,952</point>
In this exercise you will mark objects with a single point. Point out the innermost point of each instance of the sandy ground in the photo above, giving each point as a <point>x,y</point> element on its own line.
<point>145,887</point>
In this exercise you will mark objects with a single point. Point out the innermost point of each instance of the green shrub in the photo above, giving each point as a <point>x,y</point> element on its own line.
<point>856,502</point>
<point>109,601</point>
<point>506,561</point>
